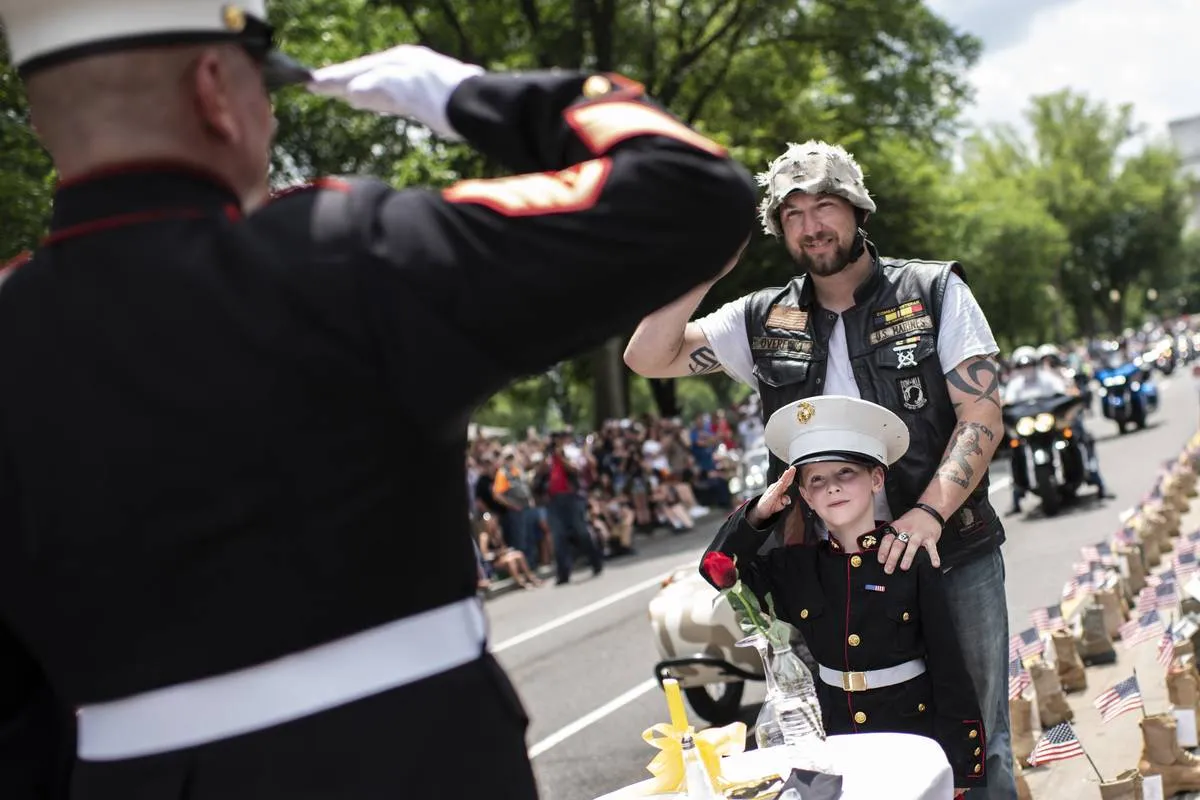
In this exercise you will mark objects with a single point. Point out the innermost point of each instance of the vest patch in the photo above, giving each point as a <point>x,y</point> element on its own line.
<point>906,354</point>
<point>779,344</point>
<point>912,393</point>
<point>887,316</point>
<point>787,319</point>
<point>903,328</point>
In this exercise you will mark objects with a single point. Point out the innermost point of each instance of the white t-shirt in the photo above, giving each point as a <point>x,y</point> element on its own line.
<point>962,332</point>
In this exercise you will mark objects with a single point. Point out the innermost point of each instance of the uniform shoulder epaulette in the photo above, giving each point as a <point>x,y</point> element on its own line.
<point>332,184</point>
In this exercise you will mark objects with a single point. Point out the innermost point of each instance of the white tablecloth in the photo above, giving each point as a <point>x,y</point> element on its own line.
<point>897,766</point>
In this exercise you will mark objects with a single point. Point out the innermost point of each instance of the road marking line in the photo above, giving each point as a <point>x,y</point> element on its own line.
<point>996,486</point>
<point>566,619</point>
<point>591,718</point>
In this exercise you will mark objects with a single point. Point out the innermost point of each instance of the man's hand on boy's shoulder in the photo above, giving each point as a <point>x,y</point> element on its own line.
<point>914,530</point>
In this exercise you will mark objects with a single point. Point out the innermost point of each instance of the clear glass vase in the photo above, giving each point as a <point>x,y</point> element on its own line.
<point>791,713</point>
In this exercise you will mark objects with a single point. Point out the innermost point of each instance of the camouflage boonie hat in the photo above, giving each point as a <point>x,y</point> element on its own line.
<point>812,168</point>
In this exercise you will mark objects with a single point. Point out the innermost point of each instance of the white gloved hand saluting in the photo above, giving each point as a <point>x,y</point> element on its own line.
<point>409,81</point>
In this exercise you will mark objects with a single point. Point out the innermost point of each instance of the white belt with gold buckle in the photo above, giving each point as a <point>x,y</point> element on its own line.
<point>872,679</point>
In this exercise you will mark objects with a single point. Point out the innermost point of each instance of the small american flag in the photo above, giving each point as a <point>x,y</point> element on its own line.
<point>1153,580</point>
<point>1124,536</point>
<point>1056,744</point>
<point>1100,553</point>
<point>1147,600</point>
<point>1031,643</point>
<point>1166,651</point>
<point>1119,698</point>
<point>1185,546</point>
<point>1164,595</point>
<point>1047,618</point>
<point>1147,627</point>
<point>1070,589</point>
<point>1018,679</point>
<point>1194,536</point>
<point>1081,568</point>
<point>1185,566</point>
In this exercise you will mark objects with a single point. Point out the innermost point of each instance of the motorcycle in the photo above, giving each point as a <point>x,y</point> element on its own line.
<point>1047,457</point>
<point>1127,395</point>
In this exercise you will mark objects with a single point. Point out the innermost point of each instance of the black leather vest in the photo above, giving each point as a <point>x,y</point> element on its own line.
<point>891,335</point>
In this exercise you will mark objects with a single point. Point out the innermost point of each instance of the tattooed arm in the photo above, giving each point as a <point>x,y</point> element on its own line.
<point>975,391</point>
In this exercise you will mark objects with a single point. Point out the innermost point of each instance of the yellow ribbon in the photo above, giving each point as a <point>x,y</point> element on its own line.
<point>712,743</point>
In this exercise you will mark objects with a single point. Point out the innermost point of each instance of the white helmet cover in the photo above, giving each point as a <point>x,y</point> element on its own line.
<point>1025,354</point>
<point>812,168</point>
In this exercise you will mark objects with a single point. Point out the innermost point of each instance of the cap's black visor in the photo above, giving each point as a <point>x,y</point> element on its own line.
<point>838,455</point>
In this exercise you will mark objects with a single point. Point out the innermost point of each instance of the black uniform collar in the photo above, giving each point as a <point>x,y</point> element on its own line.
<point>864,290</point>
<point>868,541</point>
<point>132,190</point>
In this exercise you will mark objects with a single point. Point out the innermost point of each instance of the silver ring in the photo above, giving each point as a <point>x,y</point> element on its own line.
<point>902,537</point>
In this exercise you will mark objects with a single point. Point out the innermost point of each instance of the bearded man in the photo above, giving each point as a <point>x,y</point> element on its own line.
<point>906,334</point>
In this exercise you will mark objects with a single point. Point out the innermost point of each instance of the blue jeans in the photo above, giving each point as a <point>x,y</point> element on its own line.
<point>568,522</point>
<point>521,531</point>
<point>979,609</point>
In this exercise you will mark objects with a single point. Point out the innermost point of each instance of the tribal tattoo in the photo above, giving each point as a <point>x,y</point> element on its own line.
<point>703,361</point>
<point>956,466</point>
<point>979,379</point>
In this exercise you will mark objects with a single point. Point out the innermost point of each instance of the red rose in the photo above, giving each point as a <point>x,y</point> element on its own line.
<point>720,569</point>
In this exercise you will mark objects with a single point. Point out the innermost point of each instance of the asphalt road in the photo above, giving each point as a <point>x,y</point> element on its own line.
<point>581,655</point>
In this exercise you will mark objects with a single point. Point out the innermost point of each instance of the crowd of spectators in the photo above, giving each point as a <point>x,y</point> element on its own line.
<point>569,496</point>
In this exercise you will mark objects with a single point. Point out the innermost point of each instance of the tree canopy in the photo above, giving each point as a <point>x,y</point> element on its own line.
<point>1050,227</point>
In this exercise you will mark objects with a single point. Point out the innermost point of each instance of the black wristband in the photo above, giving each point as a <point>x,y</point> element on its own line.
<point>931,511</point>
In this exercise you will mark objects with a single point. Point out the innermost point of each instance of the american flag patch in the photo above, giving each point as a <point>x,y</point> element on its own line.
<point>874,587</point>
<point>787,318</point>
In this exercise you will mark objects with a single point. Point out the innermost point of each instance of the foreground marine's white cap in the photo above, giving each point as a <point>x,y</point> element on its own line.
<point>835,428</point>
<point>45,32</point>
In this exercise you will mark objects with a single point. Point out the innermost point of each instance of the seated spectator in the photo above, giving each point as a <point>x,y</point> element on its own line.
<point>667,506</point>
<point>614,519</point>
<point>507,559</point>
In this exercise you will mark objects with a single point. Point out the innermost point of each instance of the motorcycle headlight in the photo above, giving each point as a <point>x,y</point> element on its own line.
<point>1026,426</point>
<point>1114,380</point>
<point>1044,422</point>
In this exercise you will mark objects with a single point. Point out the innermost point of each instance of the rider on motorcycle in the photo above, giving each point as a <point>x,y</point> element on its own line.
<point>1029,379</point>
<point>1040,373</point>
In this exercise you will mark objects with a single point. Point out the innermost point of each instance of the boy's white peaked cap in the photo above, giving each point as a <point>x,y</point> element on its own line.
<point>826,427</point>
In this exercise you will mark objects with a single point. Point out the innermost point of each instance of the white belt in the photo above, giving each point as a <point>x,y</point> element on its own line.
<point>872,679</point>
<point>288,688</point>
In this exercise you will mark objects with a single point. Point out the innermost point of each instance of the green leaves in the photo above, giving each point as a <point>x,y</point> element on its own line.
<point>26,174</point>
<point>1076,216</point>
